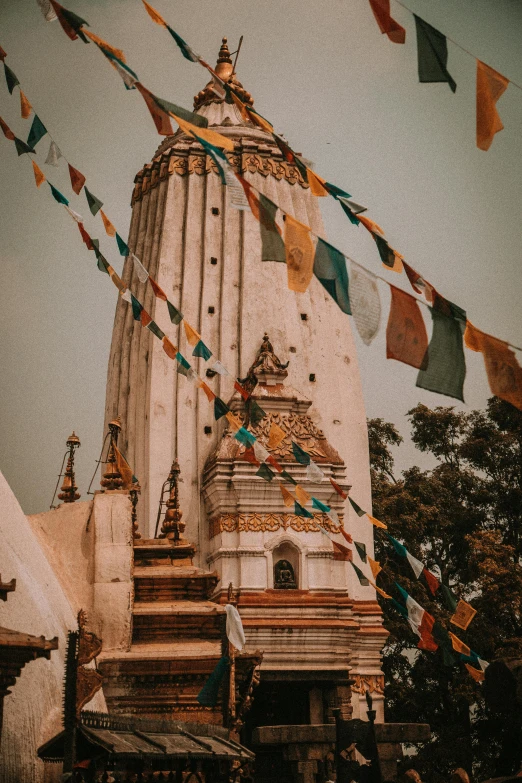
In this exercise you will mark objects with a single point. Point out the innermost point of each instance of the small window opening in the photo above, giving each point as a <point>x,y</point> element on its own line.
<point>304,317</point>
<point>208,430</point>
<point>213,261</point>
<point>211,310</point>
<point>215,210</point>
<point>311,377</point>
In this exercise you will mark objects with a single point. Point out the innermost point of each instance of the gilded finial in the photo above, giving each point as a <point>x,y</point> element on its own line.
<point>69,492</point>
<point>112,477</point>
<point>172,525</point>
<point>226,72</point>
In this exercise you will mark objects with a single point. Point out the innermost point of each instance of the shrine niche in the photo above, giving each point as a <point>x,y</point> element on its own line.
<point>286,566</point>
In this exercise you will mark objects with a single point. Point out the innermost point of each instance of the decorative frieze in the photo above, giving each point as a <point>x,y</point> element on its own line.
<point>373,683</point>
<point>270,523</point>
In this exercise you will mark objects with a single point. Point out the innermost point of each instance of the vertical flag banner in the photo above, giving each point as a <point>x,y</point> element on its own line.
<point>299,249</point>
<point>330,269</point>
<point>381,11</point>
<point>406,337</point>
<point>432,54</point>
<point>490,86</point>
<point>446,364</point>
<point>365,304</point>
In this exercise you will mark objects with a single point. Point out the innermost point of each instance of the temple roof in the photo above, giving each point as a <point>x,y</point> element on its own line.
<point>225,71</point>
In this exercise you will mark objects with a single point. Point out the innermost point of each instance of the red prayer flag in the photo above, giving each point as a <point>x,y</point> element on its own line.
<point>160,117</point>
<point>77,179</point>
<point>341,553</point>
<point>338,489</point>
<point>406,337</point>
<point>242,392</point>
<point>275,464</point>
<point>381,11</point>
<point>427,642</point>
<point>490,86</point>
<point>346,535</point>
<point>250,456</point>
<point>418,283</point>
<point>3,54</point>
<point>431,580</point>
<point>8,133</point>
<point>85,236</point>
<point>169,348</point>
<point>145,318</point>
<point>67,28</point>
<point>159,292</point>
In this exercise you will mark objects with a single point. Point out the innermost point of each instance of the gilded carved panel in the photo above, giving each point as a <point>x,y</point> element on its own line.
<point>270,523</point>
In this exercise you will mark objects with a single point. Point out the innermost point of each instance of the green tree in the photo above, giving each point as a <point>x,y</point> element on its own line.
<point>462,519</point>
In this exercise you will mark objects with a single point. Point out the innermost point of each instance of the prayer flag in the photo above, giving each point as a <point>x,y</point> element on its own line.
<point>243,392</point>
<point>38,174</point>
<point>94,203</point>
<point>333,516</point>
<point>288,498</point>
<point>255,412</point>
<point>464,614</point>
<point>358,510</point>
<point>418,283</point>
<point>192,336</point>
<point>8,133</point>
<point>220,408</point>
<point>195,123</point>
<point>208,391</point>
<point>75,216</point>
<point>421,622</point>
<point>362,579</point>
<point>341,553</point>
<point>3,54</point>
<point>57,195</point>
<point>193,129</point>
<point>220,368</point>
<point>208,695</point>
<point>109,228</point>
<point>22,147</point>
<point>186,51</point>
<point>123,468</point>
<point>448,597</point>
<point>458,645</point>
<point>53,156</point>
<point>432,54</point>
<point>85,236</point>
<point>446,364</point>
<point>250,456</point>
<point>120,285</point>
<point>47,11</point>
<point>103,45</point>
<point>314,472</point>
<point>128,76</point>
<point>11,78</point>
<point>137,307</point>
<point>381,11</point>
<point>169,348</point>
<point>316,182</point>
<point>154,15</point>
<point>379,591</point>
<point>159,293</point>
<point>330,269</point>
<point>477,674</point>
<point>201,350</point>
<point>25,106</point>
<point>490,86</point>
<point>361,550</point>
<point>175,315</point>
<point>502,368</point>
<point>401,550</point>
<point>183,365</point>
<point>299,254</point>
<point>406,338</point>
<point>160,117</point>
<point>371,226</point>
<point>431,581</point>
<point>338,489</point>
<point>376,522</point>
<point>275,436</point>
<point>318,504</point>
<point>122,246</point>
<point>374,565</point>
<point>264,210</point>
<point>300,511</point>
<point>238,199</point>
<point>390,258</point>
<point>71,23</point>
<point>302,495</point>
<point>77,183</point>
<point>145,317</point>
<point>38,131</point>
<point>234,628</point>
<point>262,454</point>
<point>365,304</point>
<point>234,421</point>
<point>265,473</point>
<point>285,474</point>
<point>272,460</point>
<point>300,454</point>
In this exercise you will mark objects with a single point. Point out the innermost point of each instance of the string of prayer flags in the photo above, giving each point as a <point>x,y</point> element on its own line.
<point>37,132</point>
<point>185,49</point>
<point>116,53</point>
<point>71,23</point>
<point>276,436</point>
<point>463,616</point>
<point>406,337</point>
<point>10,78</point>
<point>47,11</point>
<point>362,578</point>
<point>432,54</point>
<point>52,158</point>
<point>299,254</point>
<point>25,106</point>
<point>387,25</point>
<point>209,694</point>
<point>300,454</point>
<point>446,368</point>
<point>490,86</point>
<point>128,76</point>
<point>330,269</point>
<point>502,368</point>
<point>365,304</point>
<point>195,129</point>
<point>77,180</point>
<point>234,628</point>
<point>341,553</point>
<point>420,621</point>
<point>39,176</point>
<point>340,491</point>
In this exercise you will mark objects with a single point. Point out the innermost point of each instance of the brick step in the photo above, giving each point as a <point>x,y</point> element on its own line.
<point>164,621</point>
<point>168,583</point>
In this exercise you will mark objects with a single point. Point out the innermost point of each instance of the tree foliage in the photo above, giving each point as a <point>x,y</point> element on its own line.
<point>462,519</point>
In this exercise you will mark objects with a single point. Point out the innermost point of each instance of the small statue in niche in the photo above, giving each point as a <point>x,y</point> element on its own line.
<point>284,576</point>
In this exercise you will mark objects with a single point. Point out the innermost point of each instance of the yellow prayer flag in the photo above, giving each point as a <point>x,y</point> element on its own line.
<point>275,436</point>
<point>299,250</point>
<point>25,106</point>
<point>374,565</point>
<point>208,391</point>
<point>154,14</point>
<point>118,282</point>
<point>477,674</point>
<point>39,176</point>
<point>109,228</point>
<point>316,183</point>
<point>302,495</point>
<point>464,614</point>
<point>207,135</point>
<point>192,336</point>
<point>378,590</point>
<point>234,421</point>
<point>288,498</point>
<point>118,53</point>
<point>370,225</point>
<point>377,523</point>
<point>458,645</point>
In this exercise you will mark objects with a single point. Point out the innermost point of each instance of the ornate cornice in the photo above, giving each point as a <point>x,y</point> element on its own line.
<point>270,523</point>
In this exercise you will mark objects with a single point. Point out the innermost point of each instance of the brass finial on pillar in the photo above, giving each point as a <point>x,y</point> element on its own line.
<point>69,489</point>
<point>134,492</point>
<point>172,525</point>
<point>112,477</point>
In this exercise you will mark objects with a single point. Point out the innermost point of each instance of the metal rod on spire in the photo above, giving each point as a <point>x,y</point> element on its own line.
<point>237,54</point>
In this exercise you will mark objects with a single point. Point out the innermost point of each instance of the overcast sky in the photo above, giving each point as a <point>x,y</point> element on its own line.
<point>342,94</point>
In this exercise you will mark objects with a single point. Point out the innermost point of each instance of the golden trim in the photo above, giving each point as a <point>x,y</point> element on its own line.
<point>374,683</point>
<point>270,523</point>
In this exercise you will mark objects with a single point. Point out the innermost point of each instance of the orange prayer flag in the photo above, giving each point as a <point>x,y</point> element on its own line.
<point>118,282</point>
<point>159,292</point>
<point>243,392</point>
<point>406,337</point>
<point>275,464</point>
<point>234,421</point>
<point>8,133</point>
<point>275,436</point>
<point>118,53</point>
<point>109,228</point>
<point>381,11</point>
<point>378,590</point>
<point>208,391</point>
<point>370,225</point>
<point>192,336</point>
<point>288,498</point>
<point>490,86</point>
<point>464,614</point>
<point>39,176</point>
<point>341,553</point>
<point>316,183</point>
<point>3,54</point>
<point>25,106</point>
<point>169,348</point>
<point>77,179</point>
<point>502,368</point>
<point>338,489</point>
<point>374,565</point>
<point>459,645</point>
<point>160,117</point>
<point>346,536</point>
<point>302,495</point>
<point>205,133</point>
<point>154,14</point>
<point>299,250</point>
<point>145,318</point>
<point>250,456</point>
<point>477,674</point>
<point>377,523</point>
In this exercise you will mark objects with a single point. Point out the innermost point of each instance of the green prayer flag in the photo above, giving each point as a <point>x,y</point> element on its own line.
<point>448,597</point>
<point>102,264</point>
<point>265,473</point>
<point>472,658</point>
<point>136,308</point>
<point>432,54</point>
<point>154,328</point>
<point>220,408</point>
<point>183,365</point>
<point>209,693</point>
<point>186,51</point>
<point>128,76</point>
<point>22,147</point>
<point>300,511</point>
<point>362,579</point>
<point>37,132</point>
<point>122,246</point>
<point>272,245</point>
<point>11,78</point>
<point>188,116</point>
<point>175,316</point>
<point>399,548</point>
<point>385,251</point>
<point>58,196</point>
<point>300,454</point>
<point>330,269</point>
<point>202,351</point>
<point>361,549</point>
<point>255,412</point>
<point>289,478</point>
<point>404,595</point>
<point>446,364</point>
<point>245,437</point>
<point>320,506</point>
<point>75,21</point>
<point>349,212</point>
<point>442,638</point>
<point>358,510</point>
<point>400,608</point>
<point>94,203</point>
<point>336,192</point>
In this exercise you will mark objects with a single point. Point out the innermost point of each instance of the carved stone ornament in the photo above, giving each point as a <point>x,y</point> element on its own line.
<point>269,523</point>
<point>371,683</point>
<point>298,427</point>
<point>89,645</point>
